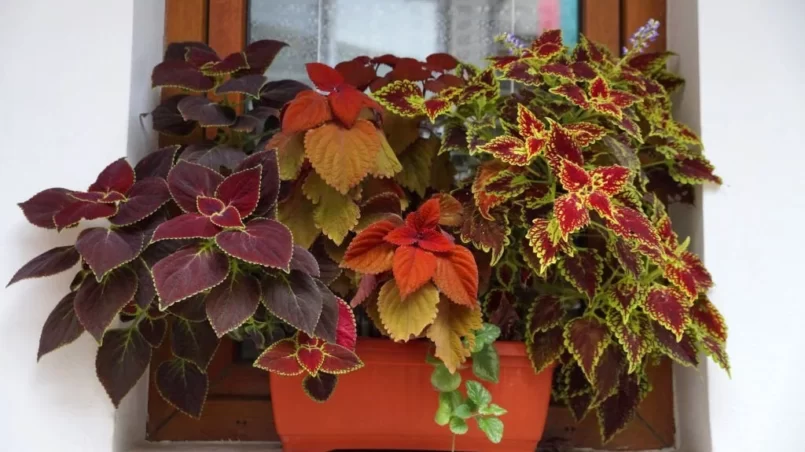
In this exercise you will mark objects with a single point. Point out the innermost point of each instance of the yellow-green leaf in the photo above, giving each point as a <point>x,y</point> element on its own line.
<point>406,319</point>
<point>297,214</point>
<point>453,322</point>
<point>341,156</point>
<point>335,214</point>
<point>387,164</point>
<point>416,163</point>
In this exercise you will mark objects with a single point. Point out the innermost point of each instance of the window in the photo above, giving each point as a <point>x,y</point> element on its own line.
<point>239,403</point>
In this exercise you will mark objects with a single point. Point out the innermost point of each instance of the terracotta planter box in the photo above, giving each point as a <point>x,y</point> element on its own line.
<point>390,404</point>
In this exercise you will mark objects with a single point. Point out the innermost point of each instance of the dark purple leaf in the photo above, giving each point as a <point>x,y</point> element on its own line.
<point>107,249</point>
<point>304,261</point>
<point>232,303</point>
<point>320,387</point>
<point>187,272</point>
<point>206,112</point>
<point>48,263</point>
<point>260,54</point>
<point>157,163</point>
<point>167,119</point>
<point>269,181</point>
<point>153,330</point>
<point>180,74</point>
<point>616,411</point>
<point>145,284</point>
<point>191,309</point>
<point>212,156</point>
<point>263,242</point>
<point>187,181</point>
<point>194,341</point>
<point>178,50</point>
<point>255,120</point>
<point>327,326</point>
<point>186,226</point>
<point>144,198</point>
<point>278,93</point>
<point>98,303</point>
<point>248,84</point>
<point>40,209</point>
<point>232,63</point>
<point>295,298</point>
<point>155,252</point>
<point>121,361</point>
<point>183,386</point>
<point>61,327</point>
<point>82,210</point>
<point>118,176</point>
<point>228,218</point>
<point>199,56</point>
<point>149,225</point>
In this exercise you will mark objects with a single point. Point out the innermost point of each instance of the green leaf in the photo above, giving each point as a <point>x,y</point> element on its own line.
<point>485,336</point>
<point>458,426</point>
<point>445,409</point>
<point>486,364</point>
<point>463,411</point>
<point>432,360</point>
<point>492,410</point>
<point>492,426</point>
<point>443,380</point>
<point>478,394</point>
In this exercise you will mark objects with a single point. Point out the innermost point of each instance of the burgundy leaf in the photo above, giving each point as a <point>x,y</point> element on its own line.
<point>107,249</point>
<point>118,176</point>
<point>194,341</point>
<point>157,163</point>
<point>263,242</point>
<point>200,56</point>
<point>232,63</point>
<point>328,320</point>
<point>213,157</point>
<point>144,198</point>
<point>608,371</point>
<point>183,386</point>
<point>81,210</point>
<point>187,272</point>
<point>209,206</point>
<point>145,284</point>
<point>189,225</point>
<point>295,298</point>
<point>41,208</point>
<point>277,93</point>
<point>304,261</point>
<point>49,263</point>
<point>178,51</point>
<point>320,387</point>
<point>346,332</point>
<point>366,287</point>
<point>682,351</point>
<point>583,270</point>
<point>260,54</point>
<point>630,260</point>
<point>254,121</point>
<point>121,361</point>
<point>206,112</point>
<point>180,74</point>
<point>228,218</point>
<point>616,411</point>
<point>61,327</point>
<point>269,181</point>
<point>167,119</point>
<point>188,181</point>
<point>232,303</point>
<point>586,338</point>
<point>248,84</point>
<point>241,190</point>
<point>98,303</point>
<point>153,330</point>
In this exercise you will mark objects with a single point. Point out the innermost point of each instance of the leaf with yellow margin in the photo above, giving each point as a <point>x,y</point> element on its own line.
<point>335,214</point>
<point>453,322</point>
<point>387,164</point>
<point>341,156</point>
<point>416,162</point>
<point>406,319</point>
<point>296,213</point>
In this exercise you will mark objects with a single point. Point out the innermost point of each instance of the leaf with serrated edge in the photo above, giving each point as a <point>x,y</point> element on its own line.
<point>98,303</point>
<point>343,157</point>
<point>183,386</point>
<point>144,198</point>
<point>586,338</point>
<point>457,276</point>
<point>452,323</point>
<point>61,327</point>
<point>233,302</point>
<point>280,358</point>
<point>121,361</point>
<point>406,318</point>
<point>320,387</point>
<point>194,341</point>
<point>189,271</point>
<point>51,262</point>
<point>295,299</point>
<point>412,267</point>
<point>107,249</point>
<point>263,242</point>
<point>368,252</point>
<point>416,162</point>
<point>296,213</point>
<point>187,181</point>
<point>335,214</point>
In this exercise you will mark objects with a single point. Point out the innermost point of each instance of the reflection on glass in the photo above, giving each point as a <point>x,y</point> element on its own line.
<point>330,31</point>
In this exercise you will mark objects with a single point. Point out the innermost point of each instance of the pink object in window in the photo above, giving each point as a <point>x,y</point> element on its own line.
<point>548,17</point>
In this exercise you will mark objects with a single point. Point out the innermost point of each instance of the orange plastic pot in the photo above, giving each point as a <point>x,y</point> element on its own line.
<point>390,404</point>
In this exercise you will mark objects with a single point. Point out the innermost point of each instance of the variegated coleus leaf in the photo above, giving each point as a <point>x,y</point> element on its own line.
<point>633,335</point>
<point>706,317</point>
<point>520,150</point>
<point>547,248</point>
<point>583,270</point>
<point>496,183</point>
<point>668,307</point>
<point>586,339</point>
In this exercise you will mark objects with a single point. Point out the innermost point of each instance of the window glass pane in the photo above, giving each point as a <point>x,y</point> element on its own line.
<point>331,31</point>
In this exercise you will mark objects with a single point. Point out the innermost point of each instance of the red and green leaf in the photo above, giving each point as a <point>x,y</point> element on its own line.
<point>669,308</point>
<point>545,313</point>
<point>586,339</point>
<point>705,315</point>
<point>544,348</point>
<point>583,270</point>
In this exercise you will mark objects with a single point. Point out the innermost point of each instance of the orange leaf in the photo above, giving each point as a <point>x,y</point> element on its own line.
<point>427,216</point>
<point>413,267</point>
<point>368,252</point>
<point>451,212</point>
<point>457,276</point>
<point>343,157</point>
<point>306,111</point>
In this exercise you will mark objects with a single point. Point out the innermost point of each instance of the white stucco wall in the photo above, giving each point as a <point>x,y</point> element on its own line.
<point>70,97</point>
<point>752,75</point>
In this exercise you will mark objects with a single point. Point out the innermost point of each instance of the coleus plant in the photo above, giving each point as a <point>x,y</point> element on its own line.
<point>191,249</point>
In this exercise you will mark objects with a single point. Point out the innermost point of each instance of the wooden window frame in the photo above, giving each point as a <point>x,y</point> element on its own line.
<point>238,404</point>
